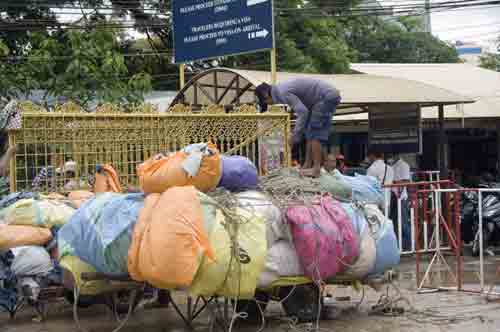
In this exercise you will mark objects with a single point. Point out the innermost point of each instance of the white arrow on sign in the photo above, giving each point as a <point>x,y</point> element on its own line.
<point>262,33</point>
<point>254,2</point>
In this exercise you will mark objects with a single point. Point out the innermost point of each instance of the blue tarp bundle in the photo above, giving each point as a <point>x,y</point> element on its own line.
<point>365,189</point>
<point>356,216</point>
<point>100,232</point>
<point>238,174</point>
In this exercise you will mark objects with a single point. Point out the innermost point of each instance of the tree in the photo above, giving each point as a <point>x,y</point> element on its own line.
<point>490,61</point>
<point>376,40</point>
<point>82,66</point>
<point>315,36</point>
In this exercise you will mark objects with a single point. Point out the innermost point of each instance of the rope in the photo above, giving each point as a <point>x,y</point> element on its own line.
<point>286,187</point>
<point>391,306</point>
<point>122,323</point>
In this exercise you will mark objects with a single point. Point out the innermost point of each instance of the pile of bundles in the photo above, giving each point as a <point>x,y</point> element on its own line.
<point>29,226</point>
<point>28,252</point>
<point>204,223</point>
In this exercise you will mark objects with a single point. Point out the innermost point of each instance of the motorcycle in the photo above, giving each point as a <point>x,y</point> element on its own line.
<point>490,217</point>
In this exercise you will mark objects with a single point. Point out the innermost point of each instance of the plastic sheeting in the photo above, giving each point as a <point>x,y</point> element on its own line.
<point>100,232</point>
<point>386,242</point>
<point>281,261</point>
<point>357,217</point>
<point>169,239</point>
<point>160,173</point>
<point>40,213</point>
<point>229,276</point>
<point>76,267</point>
<point>31,261</point>
<point>12,236</point>
<point>367,256</point>
<point>14,197</point>
<point>259,204</point>
<point>324,238</point>
<point>335,185</point>
<point>365,189</point>
<point>238,174</point>
<point>78,197</point>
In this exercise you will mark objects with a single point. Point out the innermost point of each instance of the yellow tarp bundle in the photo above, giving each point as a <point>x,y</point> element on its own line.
<point>76,267</point>
<point>40,213</point>
<point>229,276</point>
<point>169,239</point>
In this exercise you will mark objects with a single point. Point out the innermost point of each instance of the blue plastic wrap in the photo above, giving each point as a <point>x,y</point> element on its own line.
<point>238,174</point>
<point>100,232</point>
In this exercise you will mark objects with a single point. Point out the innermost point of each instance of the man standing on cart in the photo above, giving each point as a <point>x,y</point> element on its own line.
<point>314,103</point>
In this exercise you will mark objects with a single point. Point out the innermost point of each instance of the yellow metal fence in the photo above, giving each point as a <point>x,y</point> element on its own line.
<point>48,140</point>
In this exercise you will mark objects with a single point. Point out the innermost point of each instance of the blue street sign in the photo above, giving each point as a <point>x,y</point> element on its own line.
<point>205,29</point>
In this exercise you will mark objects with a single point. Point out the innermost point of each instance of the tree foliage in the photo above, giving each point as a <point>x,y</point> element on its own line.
<point>491,60</point>
<point>83,66</point>
<point>319,40</point>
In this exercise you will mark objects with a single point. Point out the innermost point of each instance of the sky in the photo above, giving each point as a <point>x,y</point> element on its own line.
<point>481,25</point>
<point>471,24</point>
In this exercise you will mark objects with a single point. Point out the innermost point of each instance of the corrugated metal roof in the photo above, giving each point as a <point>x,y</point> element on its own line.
<point>357,90</point>
<point>476,83</point>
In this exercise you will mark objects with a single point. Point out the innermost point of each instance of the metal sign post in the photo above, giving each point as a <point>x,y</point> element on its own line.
<point>205,29</point>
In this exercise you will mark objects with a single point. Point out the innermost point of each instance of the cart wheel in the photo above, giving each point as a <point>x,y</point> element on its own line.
<point>251,307</point>
<point>301,302</point>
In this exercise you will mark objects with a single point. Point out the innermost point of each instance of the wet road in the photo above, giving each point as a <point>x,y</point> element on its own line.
<point>438,311</point>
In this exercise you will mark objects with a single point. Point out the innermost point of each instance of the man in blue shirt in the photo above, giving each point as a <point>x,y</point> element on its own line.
<point>314,103</point>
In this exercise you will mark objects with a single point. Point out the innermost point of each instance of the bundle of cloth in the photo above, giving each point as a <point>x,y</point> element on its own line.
<point>328,239</point>
<point>199,165</point>
<point>180,238</point>
<point>358,188</point>
<point>29,223</point>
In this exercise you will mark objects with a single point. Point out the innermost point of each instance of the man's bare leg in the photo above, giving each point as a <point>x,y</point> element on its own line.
<point>308,163</point>
<point>317,155</point>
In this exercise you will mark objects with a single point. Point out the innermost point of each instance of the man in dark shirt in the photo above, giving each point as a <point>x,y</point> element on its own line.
<point>314,103</point>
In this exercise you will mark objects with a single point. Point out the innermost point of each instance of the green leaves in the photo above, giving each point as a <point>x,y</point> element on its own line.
<point>80,66</point>
<point>490,61</point>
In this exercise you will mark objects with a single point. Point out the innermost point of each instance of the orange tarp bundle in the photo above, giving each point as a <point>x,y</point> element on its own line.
<point>12,236</point>
<point>169,239</point>
<point>107,180</point>
<point>79,197</point>
<point>159,173</point>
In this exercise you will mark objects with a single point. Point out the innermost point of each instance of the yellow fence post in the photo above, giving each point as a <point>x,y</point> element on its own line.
<point>182,78</point>
<point>12,166</point>
<point>274,65</point>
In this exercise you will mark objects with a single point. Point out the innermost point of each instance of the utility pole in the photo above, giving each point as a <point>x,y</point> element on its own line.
<point>427,17</point>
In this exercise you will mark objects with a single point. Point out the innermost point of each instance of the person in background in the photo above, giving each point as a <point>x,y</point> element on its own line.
<point>4,170</point>
<point>68,171</point>
<point>379,169</point>
<point>314,103</point>
<point>45,180</point>
<point>341,166</point>
<point>329,164</point>
<point>401,176</point>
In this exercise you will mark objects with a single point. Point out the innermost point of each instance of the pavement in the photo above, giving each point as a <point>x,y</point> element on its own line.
<point>347,310</point>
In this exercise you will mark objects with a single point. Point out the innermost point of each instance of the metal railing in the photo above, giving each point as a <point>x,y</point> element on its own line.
<point>124,140</point>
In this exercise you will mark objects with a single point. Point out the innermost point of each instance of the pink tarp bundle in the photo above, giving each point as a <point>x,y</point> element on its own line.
<point>324,238</point>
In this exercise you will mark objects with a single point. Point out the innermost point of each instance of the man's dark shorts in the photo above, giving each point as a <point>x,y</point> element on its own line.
<point>320,120</point>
